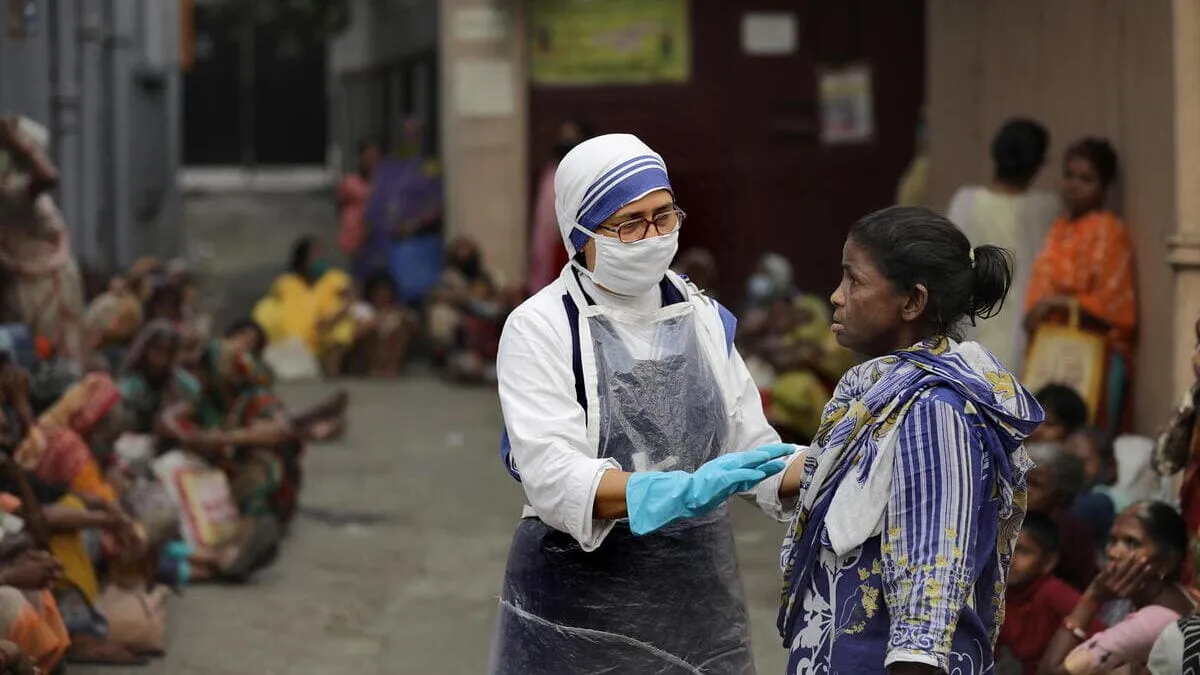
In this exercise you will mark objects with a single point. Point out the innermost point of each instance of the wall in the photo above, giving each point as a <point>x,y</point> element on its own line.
<point>484,138</point>
<point>103,77</point>
<point>1102,67</point>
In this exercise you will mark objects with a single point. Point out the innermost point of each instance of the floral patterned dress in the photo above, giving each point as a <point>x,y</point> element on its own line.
<point>928,585</point>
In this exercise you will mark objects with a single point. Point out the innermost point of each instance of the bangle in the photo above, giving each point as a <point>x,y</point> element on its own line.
<point>1074,629</point>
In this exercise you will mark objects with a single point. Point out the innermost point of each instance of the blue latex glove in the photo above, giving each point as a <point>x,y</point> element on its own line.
<point>655,499</point>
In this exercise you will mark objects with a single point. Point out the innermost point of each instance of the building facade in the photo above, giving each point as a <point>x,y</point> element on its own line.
<point>103,76</point>
<point>744,132</point>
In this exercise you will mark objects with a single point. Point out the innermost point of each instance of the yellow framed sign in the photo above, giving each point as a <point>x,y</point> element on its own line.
<point>606,42</point>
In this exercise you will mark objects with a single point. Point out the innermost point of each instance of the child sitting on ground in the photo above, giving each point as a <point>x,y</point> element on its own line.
<point>1036,601</point>
<point>1053,483</point>
<point>384,328</point>
<point>1066,413</point>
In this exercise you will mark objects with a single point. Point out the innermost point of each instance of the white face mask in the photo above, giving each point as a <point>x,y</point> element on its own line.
<point>632,269</point>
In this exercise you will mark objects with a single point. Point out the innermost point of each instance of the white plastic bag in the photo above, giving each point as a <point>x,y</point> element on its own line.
<point>202,493</point>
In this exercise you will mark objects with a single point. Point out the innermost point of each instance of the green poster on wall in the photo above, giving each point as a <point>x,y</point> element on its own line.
<point>588,42</point>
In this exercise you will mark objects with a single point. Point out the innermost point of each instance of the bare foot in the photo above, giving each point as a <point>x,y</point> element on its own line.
<point>327,430</point>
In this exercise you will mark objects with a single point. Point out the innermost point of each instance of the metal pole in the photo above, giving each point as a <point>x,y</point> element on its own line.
<point>88,34</point>
<point>123,41</point>
<point>64,113</point>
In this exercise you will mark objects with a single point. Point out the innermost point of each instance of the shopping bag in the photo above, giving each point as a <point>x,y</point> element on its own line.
<point>1068,355</point>
<point>203,495</point>
<point>137,617</point>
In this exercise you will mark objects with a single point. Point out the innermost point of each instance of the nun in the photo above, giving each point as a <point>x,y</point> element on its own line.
<point>630,420</point>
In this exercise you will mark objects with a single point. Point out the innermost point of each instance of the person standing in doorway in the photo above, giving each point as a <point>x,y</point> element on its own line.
<point>1008,213</point>
<point>352,197</point>
<point>404,218</point>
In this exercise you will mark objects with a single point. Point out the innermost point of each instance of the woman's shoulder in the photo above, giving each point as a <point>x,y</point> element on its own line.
<point>1104,220</point>
<point>287,282</point>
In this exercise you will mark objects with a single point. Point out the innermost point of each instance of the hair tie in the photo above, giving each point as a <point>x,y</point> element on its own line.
<point>971,257</point>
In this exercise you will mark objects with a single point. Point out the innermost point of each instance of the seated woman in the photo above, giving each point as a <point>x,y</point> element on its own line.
<point>767,289</point>
<point>324,420</point>
<point>70,521</point>
<point>308,307</point>
<point>466,313</point>
<point>150,378</point>
<point>807,363</point>
<point>1100,501</point>
<point>384,328</point>
<point>1052,485</point>
<point>165,400</point>
<point>253,425</point>
<point>1145,552</point>
<point>32,633</point>
<point>112,321</point>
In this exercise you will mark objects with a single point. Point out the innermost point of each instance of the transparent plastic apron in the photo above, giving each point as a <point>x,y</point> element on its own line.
<point>664,604</point>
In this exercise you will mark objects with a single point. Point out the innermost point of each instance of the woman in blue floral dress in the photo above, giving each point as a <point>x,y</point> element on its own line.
<point>914,487</point>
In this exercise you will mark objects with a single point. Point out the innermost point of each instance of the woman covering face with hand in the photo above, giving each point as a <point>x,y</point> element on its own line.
<point>1146,549</point>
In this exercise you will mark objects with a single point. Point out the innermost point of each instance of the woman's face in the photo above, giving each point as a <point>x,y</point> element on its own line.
<point>1129,538</point>
<point>870,316</point>
<point>1042,490</point>
<point>1029,562</point>
<point>160,355</point>
<point>1081,446</point>
<point>1051,428</point>
<point>246,340</point>
<point>369,157</point>
<point>1082,190</point>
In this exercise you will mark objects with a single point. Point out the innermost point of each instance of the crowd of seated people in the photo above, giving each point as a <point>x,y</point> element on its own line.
<point>94,519</point>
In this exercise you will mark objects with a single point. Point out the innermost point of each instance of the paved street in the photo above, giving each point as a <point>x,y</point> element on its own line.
<point>395,562</point>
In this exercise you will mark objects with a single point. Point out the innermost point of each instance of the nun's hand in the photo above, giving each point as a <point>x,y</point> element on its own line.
<point>655,499</point>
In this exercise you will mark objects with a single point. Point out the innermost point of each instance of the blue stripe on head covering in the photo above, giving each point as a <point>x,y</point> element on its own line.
<point>626,183</point>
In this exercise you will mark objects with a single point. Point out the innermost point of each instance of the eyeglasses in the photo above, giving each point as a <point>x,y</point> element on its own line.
<point>637,228</point>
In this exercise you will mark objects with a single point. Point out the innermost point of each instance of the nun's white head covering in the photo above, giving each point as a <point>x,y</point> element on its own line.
<point>600,176</point>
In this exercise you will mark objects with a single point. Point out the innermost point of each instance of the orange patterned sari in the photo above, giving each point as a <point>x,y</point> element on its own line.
<point>1091,260</point>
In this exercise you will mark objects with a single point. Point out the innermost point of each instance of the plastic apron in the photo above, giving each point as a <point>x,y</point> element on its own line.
<point>669,603</point>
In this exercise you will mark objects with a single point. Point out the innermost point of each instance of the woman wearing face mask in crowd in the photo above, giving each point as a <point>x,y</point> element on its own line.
<point>630,419</point>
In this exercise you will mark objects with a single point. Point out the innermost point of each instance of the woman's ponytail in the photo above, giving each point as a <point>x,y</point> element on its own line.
<point>991,278</point>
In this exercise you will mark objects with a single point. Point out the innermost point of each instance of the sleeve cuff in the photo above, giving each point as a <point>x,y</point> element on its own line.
<point>766,493</point>
<point>912,656</point>
<point>592,531</point>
